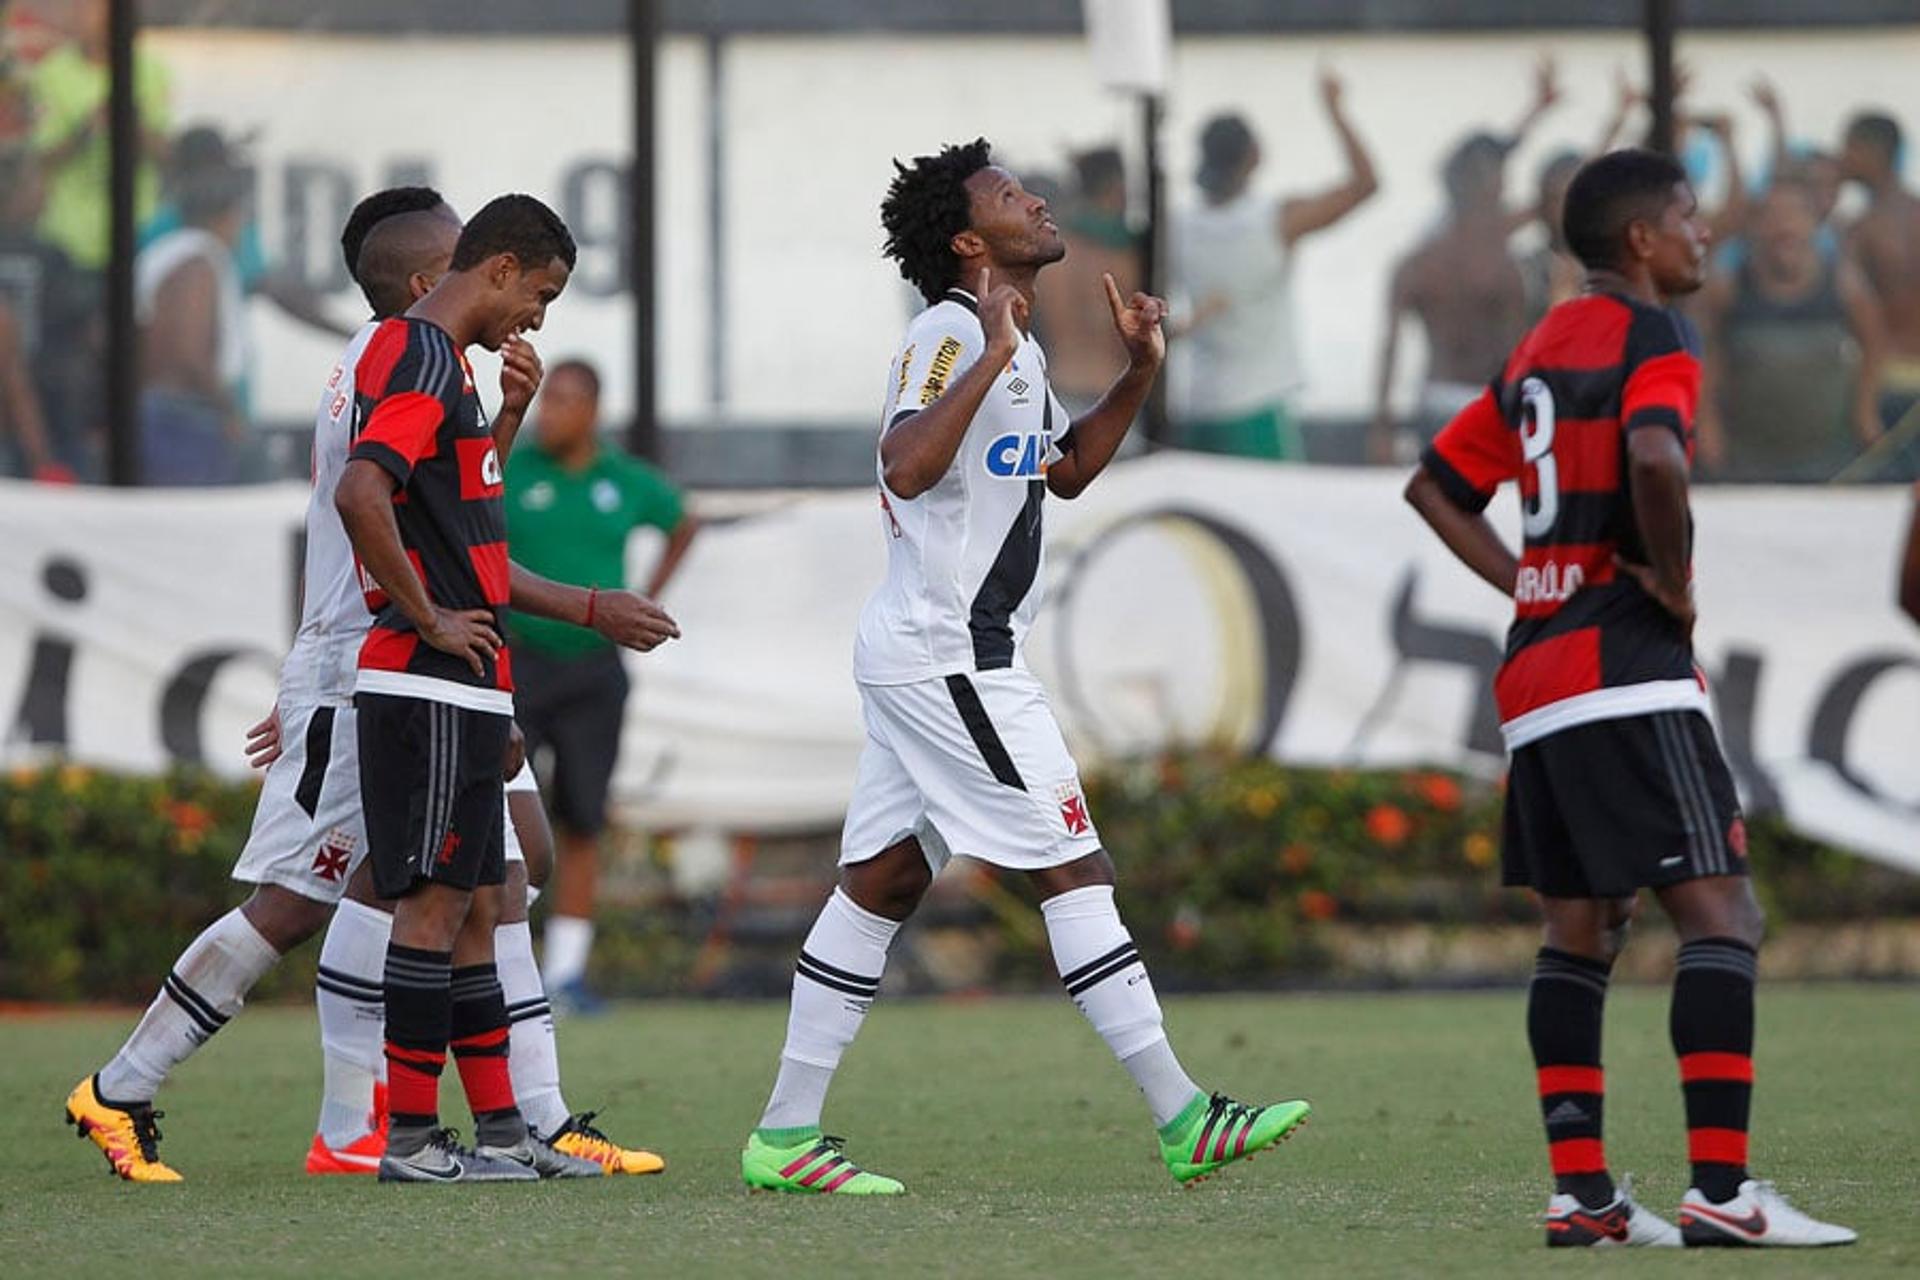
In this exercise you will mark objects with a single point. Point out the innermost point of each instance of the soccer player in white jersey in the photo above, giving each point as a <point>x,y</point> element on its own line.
<point>962,754</point>
<point>308,836</point>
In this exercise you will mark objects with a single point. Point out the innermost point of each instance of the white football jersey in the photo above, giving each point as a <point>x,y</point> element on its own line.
<point>333,615</point>
<point>965,558</point>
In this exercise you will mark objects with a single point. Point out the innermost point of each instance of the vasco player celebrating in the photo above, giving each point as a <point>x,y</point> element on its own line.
<point>1617,781</point>
<point>421,502</point>
<point>963,755</point>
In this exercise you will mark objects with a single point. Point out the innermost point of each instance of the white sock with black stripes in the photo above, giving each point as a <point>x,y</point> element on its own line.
<point>834,984</point>
<point>208,985</point>
<point>350,993</point>
<point>533,1054</point>
<point>1103,973</point>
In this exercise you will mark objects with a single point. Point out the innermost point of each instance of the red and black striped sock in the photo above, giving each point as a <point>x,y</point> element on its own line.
<point>1712,1029</point>
<point>1565,1004</point>
<point>480,1047</point>
<point>418,1001</point>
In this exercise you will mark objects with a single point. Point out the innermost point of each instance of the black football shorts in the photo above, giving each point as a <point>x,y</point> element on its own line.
<point>431,789</point>
<point>1604,809</point>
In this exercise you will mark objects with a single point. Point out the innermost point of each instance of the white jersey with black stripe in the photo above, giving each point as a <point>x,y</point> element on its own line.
<point>965,559</point>
<point>321,666</point>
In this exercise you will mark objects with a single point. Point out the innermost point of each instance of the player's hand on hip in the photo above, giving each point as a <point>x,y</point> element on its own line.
<point>1138,322</point>
<point>516,753</point>
<point>464,633</point>
<point>1676,600</point>
<point>632,621</point>
<point>263,740</point>
<point>1003,313</point>
<point>520,374</point>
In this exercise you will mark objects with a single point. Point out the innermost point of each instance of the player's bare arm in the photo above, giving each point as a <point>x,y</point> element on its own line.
<point>1468,534</point>
<point>1910,565</point>
<point>365,503</point>
<point>916,452</point>
<point>1097,434</point>
<point>1657,462</point>
<point>1306,214</point>
<point>520,374</point>
<point>627,618</point>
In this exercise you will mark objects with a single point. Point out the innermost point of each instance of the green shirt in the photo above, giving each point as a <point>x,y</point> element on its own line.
<point>572,526</point>
<point>68,91</point>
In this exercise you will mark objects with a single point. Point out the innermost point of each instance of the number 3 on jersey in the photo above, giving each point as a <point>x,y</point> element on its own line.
<point>1536,450</point>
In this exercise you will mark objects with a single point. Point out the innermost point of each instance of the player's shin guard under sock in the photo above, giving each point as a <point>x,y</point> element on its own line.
<point>1103,973</point>
<point>419,1020</point>
<point>834,984</point>
<point>1565,1005</point>
<point>1712,1028</point>
<point>350,994</point>
<point>207,986</point>
<point>533,1056</point>
<point>479,1043</point>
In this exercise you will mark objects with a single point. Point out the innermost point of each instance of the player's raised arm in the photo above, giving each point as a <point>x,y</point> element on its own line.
<point>520,374</point>
<point>1091,442</point>
<point>919,447</point>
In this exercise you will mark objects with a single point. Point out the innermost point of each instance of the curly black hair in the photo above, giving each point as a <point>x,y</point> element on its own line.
<point>925,208</point>
<point>375,209</point>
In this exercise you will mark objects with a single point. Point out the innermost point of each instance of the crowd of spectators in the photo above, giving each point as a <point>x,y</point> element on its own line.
<point>1810,323</point>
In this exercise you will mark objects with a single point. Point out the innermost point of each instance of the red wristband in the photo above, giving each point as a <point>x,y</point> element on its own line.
<point>593,593</point>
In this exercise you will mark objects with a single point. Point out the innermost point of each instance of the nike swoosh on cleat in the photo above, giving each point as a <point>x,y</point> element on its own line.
<point>1613,1226</point>
<point>1754,1224</point>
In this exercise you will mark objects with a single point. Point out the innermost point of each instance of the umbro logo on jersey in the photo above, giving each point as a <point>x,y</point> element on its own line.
<point>1019,457</point>
<point>1019,387</point>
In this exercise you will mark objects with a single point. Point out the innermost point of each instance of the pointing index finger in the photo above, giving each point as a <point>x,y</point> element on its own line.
<point>1113,293</point>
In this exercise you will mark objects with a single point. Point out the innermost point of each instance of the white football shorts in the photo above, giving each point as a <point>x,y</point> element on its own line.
<point>973,765</point>
<point>521,781</point>
<point>308,835</point>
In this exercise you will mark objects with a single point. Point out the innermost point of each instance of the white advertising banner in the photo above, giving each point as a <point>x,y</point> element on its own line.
<point>1305,613</point>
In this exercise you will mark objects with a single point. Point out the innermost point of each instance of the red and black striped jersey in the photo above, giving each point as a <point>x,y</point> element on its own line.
<point>422,425</point>
<point>1587,643</point>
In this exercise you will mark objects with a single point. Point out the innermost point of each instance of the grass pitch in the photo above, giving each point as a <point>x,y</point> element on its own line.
<point>1024,1148</point>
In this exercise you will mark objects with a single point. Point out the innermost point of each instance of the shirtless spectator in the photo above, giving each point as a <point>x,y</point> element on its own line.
<point>1083,358</point>
<point>1462,284</point>
<point>1886,243</point>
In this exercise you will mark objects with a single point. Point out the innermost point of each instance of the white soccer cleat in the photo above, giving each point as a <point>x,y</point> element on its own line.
<point>1759,1215</point>
<point>1571,1224</point>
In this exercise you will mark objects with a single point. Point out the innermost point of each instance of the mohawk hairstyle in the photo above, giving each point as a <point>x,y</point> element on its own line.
<point>925,208</point>
<point>377,208</point>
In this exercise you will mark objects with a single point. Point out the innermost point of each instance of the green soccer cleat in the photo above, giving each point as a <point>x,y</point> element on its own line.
<point>812,1165</point>
<point>1213,1132</point>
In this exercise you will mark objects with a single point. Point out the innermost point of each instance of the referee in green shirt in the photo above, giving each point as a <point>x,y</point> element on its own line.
<point>571,506</point>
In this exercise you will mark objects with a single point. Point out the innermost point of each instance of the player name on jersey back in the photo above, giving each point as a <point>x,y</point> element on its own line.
<point>964,559</point>
<point>1587,643</point>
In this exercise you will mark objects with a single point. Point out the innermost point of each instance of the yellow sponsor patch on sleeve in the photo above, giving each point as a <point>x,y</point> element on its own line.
<point>939,371</point>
